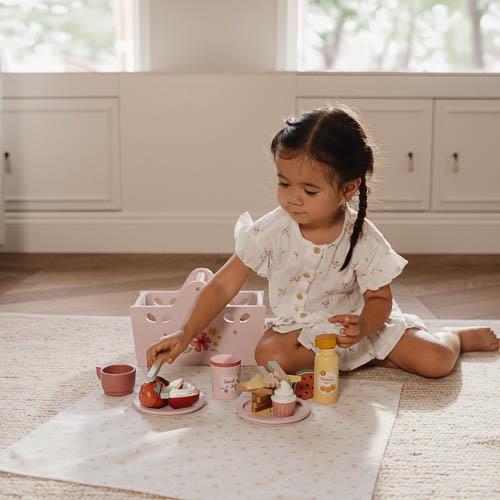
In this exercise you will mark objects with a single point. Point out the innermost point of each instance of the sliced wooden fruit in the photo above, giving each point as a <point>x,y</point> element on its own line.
<point>181,398</point>
<point>175,384</point>
<point>305,386</point>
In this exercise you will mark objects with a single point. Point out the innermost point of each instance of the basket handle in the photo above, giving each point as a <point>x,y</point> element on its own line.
<point>200,275</point>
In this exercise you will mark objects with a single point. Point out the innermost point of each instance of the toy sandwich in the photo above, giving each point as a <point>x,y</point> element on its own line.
<point>263,384</point>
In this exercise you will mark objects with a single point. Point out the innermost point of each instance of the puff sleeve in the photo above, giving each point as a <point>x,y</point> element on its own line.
<point>376,264</point>
<point>253,244</point>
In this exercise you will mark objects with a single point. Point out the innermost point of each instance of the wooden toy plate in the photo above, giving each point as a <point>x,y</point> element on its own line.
<point>302,411</point>
<point>168,411</point>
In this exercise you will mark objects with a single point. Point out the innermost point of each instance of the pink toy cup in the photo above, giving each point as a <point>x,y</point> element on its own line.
<point>116,380</point>
<point>225,375</point>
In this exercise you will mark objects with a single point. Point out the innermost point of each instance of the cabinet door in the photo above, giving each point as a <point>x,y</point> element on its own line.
<point>3,164</point>
<point>466,166</point>
<point>63,154</point>
<point>402,132</point>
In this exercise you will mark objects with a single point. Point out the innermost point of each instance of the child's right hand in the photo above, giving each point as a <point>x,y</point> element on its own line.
<point>175,344</point>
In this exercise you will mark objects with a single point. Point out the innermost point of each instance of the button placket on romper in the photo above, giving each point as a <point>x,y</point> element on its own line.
<point>314,256</point>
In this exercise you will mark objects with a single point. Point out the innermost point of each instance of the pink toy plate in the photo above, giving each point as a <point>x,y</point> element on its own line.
<point>244,407</point>
<point>168,411</point>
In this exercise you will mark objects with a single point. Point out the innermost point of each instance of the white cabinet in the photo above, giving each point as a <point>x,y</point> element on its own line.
<point>63,154</point>
<point>466,165</point>
<point>448,160</point>
<point>2,164</point>
<point>129,162</point>
<point>402,132</point>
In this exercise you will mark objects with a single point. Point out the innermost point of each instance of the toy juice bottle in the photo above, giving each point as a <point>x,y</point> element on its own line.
<point>326,370</point>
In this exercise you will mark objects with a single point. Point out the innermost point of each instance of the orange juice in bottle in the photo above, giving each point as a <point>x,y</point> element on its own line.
<point>326,370</point>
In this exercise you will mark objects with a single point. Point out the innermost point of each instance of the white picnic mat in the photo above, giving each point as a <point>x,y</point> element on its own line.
<point>212,453</point>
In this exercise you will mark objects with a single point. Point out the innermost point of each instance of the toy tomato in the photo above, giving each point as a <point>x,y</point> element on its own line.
<point>149,394</point>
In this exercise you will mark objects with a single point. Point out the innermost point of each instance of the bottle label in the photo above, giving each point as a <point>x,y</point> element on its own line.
<point>327,382</point>
<point>228,384</point>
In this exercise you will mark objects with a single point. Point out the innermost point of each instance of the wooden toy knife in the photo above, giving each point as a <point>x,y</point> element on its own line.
<point>269,379</point>
<point>277,371</point>
<point>155,367</point>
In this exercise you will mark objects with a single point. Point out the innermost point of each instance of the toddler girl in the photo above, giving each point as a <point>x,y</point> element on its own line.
<point>329,268</point>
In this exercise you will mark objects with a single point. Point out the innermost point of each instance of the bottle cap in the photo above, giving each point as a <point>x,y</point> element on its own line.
<point>326,341</point>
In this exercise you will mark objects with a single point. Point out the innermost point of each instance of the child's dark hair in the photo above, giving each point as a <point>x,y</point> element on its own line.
<point>335,137</point>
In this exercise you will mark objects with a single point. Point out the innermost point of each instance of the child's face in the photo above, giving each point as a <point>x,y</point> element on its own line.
<point>305,192</point>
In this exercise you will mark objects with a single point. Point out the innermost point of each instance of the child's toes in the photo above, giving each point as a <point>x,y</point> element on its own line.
<point>495,344</point>
<point>494,341</point>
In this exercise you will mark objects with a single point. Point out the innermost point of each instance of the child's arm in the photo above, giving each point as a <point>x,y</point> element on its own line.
<point>224,285</point>
<point>376,311</point>
<point>216,294</point>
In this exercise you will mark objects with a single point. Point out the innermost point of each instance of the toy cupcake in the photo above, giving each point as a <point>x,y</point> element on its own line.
<point>284,400</point>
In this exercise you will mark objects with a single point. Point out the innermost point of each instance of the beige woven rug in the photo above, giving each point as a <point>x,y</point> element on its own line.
<point>445,442</point>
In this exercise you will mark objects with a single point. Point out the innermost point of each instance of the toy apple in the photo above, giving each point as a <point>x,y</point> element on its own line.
<point>164,380</point>
<point>149,394</point>
<point>181,398</point>
<point>175,384</point>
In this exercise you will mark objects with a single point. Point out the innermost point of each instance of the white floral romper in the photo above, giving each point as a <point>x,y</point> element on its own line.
<point>306,285</point>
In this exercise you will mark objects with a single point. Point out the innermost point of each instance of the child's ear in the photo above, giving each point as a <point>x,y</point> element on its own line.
<point>351,187</point>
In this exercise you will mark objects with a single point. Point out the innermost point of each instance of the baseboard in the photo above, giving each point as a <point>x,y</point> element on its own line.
<point>450,233</point>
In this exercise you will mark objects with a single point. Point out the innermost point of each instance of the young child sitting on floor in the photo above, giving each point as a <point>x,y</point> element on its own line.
<point>329,268</point>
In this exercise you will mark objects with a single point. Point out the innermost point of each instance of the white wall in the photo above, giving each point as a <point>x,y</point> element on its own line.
<point>213,36</point>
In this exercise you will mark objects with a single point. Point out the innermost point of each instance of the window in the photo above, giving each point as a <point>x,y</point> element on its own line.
<point>66,35</point>
<point>399,35</point>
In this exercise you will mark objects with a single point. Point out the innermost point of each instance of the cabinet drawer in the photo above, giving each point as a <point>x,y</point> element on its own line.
<point>401,130</point>
<point>64,154</point>
<point>466,162</point>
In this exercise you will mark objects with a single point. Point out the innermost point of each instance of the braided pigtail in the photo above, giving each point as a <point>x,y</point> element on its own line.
<point>358,224</point>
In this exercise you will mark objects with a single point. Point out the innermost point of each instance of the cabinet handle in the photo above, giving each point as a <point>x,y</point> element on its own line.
<point>455,162</point>
<point>411,163</point>
<point>6,155</point>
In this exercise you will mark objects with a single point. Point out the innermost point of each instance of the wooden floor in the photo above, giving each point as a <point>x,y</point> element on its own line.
<point>432,286</point>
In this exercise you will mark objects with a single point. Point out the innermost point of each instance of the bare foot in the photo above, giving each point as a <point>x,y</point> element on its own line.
<point>475,338</point>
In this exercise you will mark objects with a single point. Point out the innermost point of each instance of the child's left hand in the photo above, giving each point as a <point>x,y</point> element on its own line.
<point>351,330</point>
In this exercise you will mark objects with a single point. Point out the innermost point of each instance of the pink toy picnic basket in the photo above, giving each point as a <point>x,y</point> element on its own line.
<point>236,330</point>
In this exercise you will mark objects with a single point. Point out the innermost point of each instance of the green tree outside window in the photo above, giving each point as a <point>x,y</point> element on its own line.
<point>400,35</point>
<point>65,35</point>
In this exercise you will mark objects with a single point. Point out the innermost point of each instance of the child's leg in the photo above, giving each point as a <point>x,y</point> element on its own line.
<point>434,355</point>
<point>420,352</point>
<point>284,348</point>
